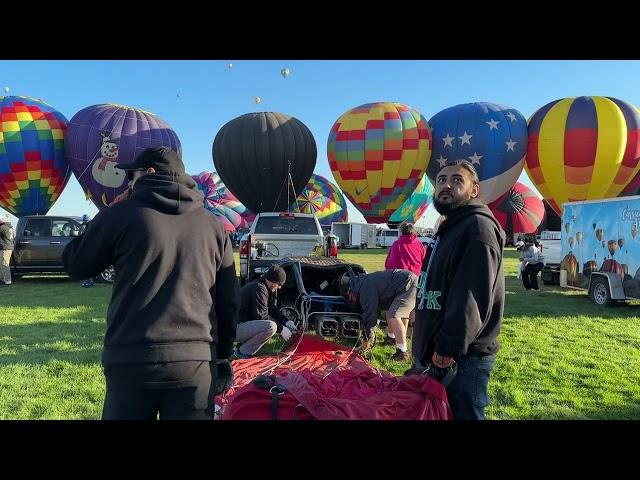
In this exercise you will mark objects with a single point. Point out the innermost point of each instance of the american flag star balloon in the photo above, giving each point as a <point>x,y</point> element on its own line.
<point>492,137</point>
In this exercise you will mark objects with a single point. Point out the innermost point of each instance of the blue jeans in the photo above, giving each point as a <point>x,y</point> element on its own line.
<point>468,391</point>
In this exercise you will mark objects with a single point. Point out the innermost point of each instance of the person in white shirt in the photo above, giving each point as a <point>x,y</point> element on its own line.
<point>532,261</point>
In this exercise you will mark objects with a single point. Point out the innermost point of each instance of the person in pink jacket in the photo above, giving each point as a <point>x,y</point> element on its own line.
<point>406,253</point>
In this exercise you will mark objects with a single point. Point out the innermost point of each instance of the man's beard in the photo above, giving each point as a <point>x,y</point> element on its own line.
<point>447,208</point>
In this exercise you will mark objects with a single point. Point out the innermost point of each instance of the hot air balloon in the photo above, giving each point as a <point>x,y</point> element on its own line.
<point>567,227</point>
<point>599,234</point>
<point>101,136</point>
<point>571,242</point>
<point>594,225</point>
<point>284,72</point>
<point>229,66</point>
<point>613,246</point>
<point>263,158</point>
<point>552,220</point>
<point>583,148</point>
<point>492,137</point>
<point>519,210</point>
<point>414,207</point>
<point>33,170</point>
<point>222,203</point>
<point>634,230</point>
<point>612,266</point>
<point>378,153</point>
<point>257,100</point>
<point>570,264</point>
<point>620,242</point>
<point>579,236</point>
<point>322,198</point>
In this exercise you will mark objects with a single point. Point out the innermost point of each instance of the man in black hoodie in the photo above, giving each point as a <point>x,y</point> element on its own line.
<point>174,307</point>
<point>461,293</point>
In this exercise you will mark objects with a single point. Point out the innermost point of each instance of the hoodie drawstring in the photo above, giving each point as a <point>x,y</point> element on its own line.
<point>425,274</point>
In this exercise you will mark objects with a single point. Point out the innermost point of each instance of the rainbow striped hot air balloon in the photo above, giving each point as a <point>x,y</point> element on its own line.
<point>378,153</point>
<point>322,198</point>
<point>492,137</point>
<point>219,200</point>
<point>583,148</point>
<point>415,206</point>
<point>519,210</point>
<point>33,170</point>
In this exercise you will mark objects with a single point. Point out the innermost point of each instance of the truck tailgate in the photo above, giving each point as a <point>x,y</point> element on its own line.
<point>285,246</point>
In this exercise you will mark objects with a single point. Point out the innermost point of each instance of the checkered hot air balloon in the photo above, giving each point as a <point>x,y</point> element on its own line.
<point>491,136</point>
<point>378,153</point>
<point>415,206</point>
<point>102,136</point>
<point>222,203</point>
<point>519,210</point>
<point>583,148</point>
<point>322,198</point>
<point>33,170</point>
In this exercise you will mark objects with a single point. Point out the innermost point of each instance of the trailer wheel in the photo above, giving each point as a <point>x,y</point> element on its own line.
<point>600,292</point>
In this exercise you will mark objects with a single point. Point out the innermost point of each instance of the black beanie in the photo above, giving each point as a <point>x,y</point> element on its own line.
<point>276,274</point>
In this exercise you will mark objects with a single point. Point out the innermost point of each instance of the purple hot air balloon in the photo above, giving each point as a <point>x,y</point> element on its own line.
<point>101,136</point>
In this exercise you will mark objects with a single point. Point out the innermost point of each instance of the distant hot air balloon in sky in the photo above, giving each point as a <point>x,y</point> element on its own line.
<point>322,198</point>
<point>222,203</point>
<point>6,90</point>
<point>257,100</point>
<point>102,136</point>
<point>229,66</point>
<point>263,158</point>
<point>492,137</point>
<point>520,210</point>
<point>583,148</point>
<point>378,153</point>
<point>413,207</point>
<point>284,72</point>
<point>33,169</point>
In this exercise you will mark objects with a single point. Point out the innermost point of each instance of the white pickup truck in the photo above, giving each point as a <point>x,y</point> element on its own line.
<point>274,236</point>
<point>550,245</point>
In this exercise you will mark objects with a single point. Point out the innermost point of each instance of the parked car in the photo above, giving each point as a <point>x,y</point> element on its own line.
<point>39,243</point>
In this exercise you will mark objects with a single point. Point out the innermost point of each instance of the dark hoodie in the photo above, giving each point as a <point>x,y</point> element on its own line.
<point>175,295</point>
<point>463,295</point>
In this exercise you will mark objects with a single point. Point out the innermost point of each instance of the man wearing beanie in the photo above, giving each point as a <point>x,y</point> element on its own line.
<point>259,319</point>
<point>172,317</point>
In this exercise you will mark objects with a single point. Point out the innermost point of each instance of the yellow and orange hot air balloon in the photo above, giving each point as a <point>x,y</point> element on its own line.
<point>378,152</point>
<point>583,148</point>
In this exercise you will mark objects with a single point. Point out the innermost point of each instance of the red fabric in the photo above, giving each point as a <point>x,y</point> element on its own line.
<point>406,253</point>
<point>326,381</point>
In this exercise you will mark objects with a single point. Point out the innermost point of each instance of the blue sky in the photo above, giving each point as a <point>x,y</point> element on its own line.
<point>197,97</point>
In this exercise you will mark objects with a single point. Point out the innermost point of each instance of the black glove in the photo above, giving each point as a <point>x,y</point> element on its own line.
<point>443,375</point>
<point>224,376</point>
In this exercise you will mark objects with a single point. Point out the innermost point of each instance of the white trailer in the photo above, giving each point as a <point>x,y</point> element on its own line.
<point>354,235</point>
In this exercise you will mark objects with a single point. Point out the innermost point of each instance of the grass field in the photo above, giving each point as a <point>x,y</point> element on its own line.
<point>561,358</point>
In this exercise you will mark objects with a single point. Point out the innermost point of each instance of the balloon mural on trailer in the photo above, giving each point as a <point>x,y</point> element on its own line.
<point>520,210</point>
<point>579,237</point>
<point>33,169</point>
<point>492,137</point>
<point>102,136</point>
<point>378,153</point>
<point>414,207</point>
<point>222,203</point>
<point>322,198</point>
<point>263,158</point>
<point>583,148</point>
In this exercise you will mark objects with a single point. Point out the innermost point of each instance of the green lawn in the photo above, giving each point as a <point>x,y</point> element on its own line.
<point>561,357</point>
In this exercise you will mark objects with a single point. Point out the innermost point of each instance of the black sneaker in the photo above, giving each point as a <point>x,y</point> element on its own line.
<point>401,356</point>
<point>389,341</point>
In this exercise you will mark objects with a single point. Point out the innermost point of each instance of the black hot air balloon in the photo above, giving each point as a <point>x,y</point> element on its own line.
<point>265,159</point>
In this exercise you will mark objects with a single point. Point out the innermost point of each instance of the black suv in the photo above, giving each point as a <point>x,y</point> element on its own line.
<point>40,241</point>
